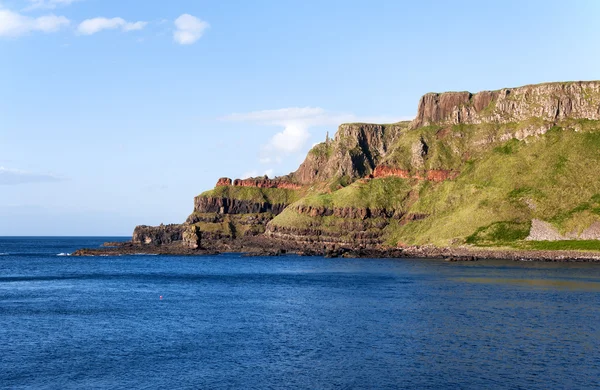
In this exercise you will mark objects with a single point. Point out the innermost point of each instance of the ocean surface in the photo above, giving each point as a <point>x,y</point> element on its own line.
<point>229,322</point>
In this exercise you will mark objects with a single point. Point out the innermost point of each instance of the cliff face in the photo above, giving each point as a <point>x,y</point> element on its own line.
<point>203,204</point>
<point>550,102</point>
<point>354,153</point>
<point>492,168</point>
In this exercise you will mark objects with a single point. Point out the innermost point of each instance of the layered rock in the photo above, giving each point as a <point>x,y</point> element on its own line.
<point>203,204</point>
<point>551,102</point>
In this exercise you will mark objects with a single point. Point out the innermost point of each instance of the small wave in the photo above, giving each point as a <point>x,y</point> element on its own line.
<point>145,254</point>
<point>63,254</point>
<point>4,254</point>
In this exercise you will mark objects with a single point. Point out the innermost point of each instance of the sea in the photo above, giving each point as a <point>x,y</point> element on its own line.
<point>291,322</point>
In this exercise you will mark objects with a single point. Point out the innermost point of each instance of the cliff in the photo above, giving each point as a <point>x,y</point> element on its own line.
<point>355,152</point>
<point>550,102</point>
<point>513,167</point>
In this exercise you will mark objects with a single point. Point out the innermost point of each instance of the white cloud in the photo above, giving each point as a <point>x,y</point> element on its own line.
<point>134,26</point>
<point>189,29</point>
<point>10,176</point>
<point>48,4</point>
<point>290,140</point>
<point>92,26</point>
<point>13,24</point>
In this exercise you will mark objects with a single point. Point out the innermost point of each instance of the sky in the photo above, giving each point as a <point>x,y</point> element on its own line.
<point>117,113</point>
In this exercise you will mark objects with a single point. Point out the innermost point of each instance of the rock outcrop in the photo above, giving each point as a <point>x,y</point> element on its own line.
<point>259,182</point>
<point>224,182</point>
<point>354,152</point>
<point>158,235</point>
<point>265,182</point>
<point>550,101</point>
<point>544,231</point>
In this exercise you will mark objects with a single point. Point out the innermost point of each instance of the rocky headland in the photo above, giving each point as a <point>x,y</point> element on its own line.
<point>496,174</point>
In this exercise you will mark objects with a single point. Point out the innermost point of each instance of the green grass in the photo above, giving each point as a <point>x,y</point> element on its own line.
<point>323,150</point>
<point>581,245</point>
<point>377,193</point>
<point>499,233</point>
<point>258,195</point>
<point>548,178</point>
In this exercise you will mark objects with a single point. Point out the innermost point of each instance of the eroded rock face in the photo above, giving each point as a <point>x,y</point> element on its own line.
<point>354,152</point>
<point>551,102</point>
<point>224,182</point>
<point>158,235</point>
<point>191,237</point>
<point>544,231</point>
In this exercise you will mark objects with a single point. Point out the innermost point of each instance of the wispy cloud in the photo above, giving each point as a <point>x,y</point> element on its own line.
<point>48,4</point>
<point>13,24</point>
<point>189,29</point>
<point>9,176</point>
<point>92,26</point>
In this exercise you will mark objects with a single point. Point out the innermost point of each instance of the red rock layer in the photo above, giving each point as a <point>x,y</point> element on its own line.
<point>383,171</point>
<point>436,175</point>
<point>223,182</point>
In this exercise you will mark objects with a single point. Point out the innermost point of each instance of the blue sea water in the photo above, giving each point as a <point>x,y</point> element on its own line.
<point>229,322</point>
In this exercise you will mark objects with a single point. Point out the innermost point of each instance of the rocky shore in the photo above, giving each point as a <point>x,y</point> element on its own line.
<point>260,246</point>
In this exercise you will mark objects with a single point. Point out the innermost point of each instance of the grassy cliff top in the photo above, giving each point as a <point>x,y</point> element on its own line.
<point>254,194</point>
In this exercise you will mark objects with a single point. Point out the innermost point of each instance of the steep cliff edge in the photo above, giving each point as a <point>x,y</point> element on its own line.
<point>510,167</point>
<point>355,152</point>
<point>549,102</point>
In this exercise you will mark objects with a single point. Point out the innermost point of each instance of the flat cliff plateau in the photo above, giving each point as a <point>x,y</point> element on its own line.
<point>495,172</point>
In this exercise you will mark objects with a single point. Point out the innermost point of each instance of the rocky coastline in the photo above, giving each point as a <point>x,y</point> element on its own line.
<point>266,247</point>
<point>473,176</point>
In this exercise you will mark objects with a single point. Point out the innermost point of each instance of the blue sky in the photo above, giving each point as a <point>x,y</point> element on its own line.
<point>116,113</point>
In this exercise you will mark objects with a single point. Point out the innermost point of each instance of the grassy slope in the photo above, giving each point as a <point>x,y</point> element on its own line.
<point>552,178</point>
<point>379,193</point>
<point>390,193</point>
